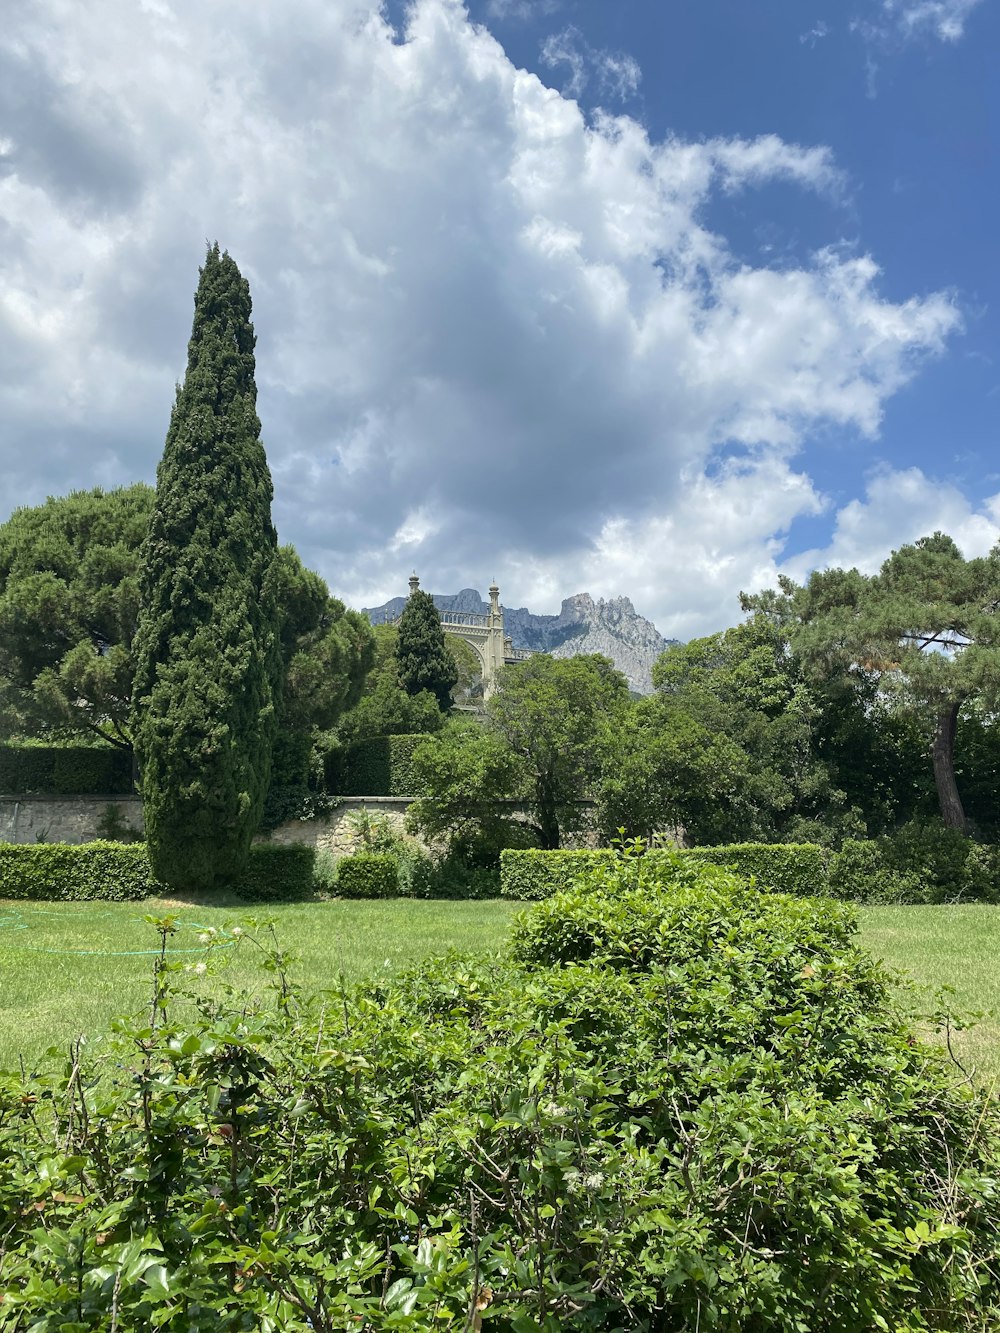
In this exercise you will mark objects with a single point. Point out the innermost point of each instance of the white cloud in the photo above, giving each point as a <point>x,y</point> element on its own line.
<point>815,34</point>
<point>944,18</point>
<point>617,74</point>
<point>900,506</point>
<point>494,336</point>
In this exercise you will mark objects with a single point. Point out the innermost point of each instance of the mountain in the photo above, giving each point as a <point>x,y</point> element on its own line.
<point>611,627</point>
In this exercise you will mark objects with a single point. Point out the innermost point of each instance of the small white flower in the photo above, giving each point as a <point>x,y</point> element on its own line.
<point>204,938</point>
<point>200,969</point>
<point>594,1181</point>
<point>236,932</point>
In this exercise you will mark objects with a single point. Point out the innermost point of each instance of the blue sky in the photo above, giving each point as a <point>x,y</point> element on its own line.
<point>633,297</point>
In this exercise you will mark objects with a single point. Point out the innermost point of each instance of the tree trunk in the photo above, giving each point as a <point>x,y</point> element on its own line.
<point>548,817</point>
<point>943,754</point>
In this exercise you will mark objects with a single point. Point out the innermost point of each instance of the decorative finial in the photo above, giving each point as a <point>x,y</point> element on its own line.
<point>414,583</point>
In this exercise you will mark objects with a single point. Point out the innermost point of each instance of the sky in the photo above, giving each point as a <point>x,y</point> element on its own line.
<point>661,298</point>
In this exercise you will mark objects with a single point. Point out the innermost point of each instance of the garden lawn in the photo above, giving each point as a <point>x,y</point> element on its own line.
<point>70,968</point>
<point>956,947</point>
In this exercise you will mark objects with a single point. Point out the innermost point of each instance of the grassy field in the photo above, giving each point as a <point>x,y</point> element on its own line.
<point>956,947</point>
<point>67,969</point>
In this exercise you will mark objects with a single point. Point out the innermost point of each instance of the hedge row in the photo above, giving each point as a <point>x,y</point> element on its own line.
<point>120,872</point>
<point>800,869</point>
<point>379,766</point>
<point>64,770</point>
<point>368,875</point>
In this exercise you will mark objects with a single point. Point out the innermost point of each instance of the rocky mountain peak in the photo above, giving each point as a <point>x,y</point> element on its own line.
<point>612,627</point>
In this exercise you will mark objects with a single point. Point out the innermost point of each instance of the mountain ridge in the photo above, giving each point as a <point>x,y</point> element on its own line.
<point>610,626</point>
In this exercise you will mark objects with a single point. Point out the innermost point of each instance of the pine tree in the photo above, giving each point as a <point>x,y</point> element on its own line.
<point>207,652</point>
<point>424,661</point>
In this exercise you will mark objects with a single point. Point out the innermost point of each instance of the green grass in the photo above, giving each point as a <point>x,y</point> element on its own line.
<point>69,968</point>
<point>957,947</point>
<point>52,988</point>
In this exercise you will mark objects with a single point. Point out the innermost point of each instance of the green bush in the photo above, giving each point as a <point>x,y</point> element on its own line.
<point>380,766</point>
<point>530,875</point>
<point>65,770</point>
<point>120,872</point>
<point>368,875</point>
<point>708,1117</point>
<point>56,872</point>
<point>781,867</point>
<point>276,873</point>
<point>949,866</point>
<point>778,867</point>
<point>859,872</point>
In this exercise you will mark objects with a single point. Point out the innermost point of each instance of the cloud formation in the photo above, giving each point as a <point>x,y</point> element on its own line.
<point>616,74</point>
<point>943,18</point>
<point>496,336</point>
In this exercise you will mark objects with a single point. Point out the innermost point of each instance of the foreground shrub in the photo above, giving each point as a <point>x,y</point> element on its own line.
<point>707,1116</point>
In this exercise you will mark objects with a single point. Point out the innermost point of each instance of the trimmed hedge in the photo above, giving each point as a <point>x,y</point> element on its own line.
<point>120,872</point>
<point>277,874</point>
<point>799,869</point>
<point>368,875</point>
<point>57,872</point>
<point>379,766</point>
<point>532,875</point>
<point>65,770</point>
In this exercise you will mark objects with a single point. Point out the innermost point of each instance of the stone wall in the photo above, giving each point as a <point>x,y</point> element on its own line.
<point>71,819</point>
<point>75,819</point>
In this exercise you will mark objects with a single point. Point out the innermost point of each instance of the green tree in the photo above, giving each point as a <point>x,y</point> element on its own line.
<point>384,707</point>
<point>541,744</point>
<point>423,660</point>
<point>69,601</point>
<point>925,628</point>
<point>207,647</point>
<point>731,733</point>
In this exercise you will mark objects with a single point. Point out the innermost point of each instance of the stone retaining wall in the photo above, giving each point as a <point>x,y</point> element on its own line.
<point>75,819</point>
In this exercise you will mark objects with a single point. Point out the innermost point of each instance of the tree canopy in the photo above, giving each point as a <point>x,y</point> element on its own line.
<point>69,602</point>
<point>542,744</point>
<point>925,628</point>
<point>208,653</point>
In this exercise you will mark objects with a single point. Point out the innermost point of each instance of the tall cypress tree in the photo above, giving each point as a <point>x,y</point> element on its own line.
<point>207,653</point>
<point>424,661</point>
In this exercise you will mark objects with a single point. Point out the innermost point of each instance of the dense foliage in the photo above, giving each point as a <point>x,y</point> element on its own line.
<point>207,682</point>
<point>66,770</point>
<point>69,601</point>
<point>367,875</point>
<point>385,708</point>
<point>422,658</point>
<point>379,766</point>
<point>802,870</point>
<point>121,872</point>
<point>541,749</point>
<point>925,627</point>
<point>681,1106</point>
